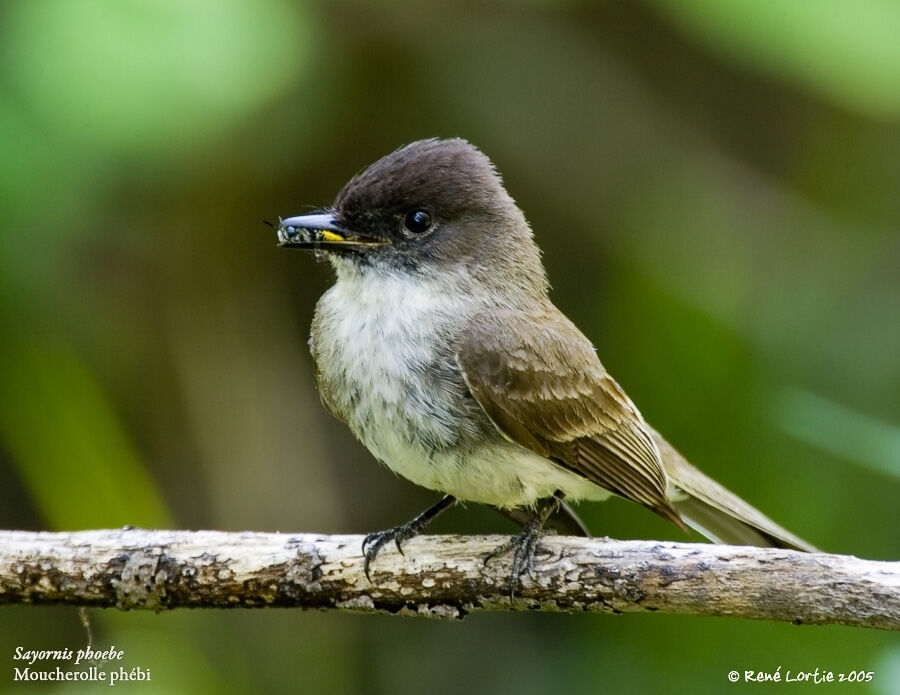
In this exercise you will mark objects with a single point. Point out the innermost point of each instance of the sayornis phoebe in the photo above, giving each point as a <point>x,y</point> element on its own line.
<point>439,348</point>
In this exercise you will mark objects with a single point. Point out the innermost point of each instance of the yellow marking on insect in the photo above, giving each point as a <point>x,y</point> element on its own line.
<point>331,236</point>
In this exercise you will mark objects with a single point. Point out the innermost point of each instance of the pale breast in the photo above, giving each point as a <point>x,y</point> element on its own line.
<point>385,365</point>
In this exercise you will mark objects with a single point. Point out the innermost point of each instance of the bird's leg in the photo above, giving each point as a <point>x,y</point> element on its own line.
<point>525,542</point>
<point>373,542</point>
<point>565,521</point>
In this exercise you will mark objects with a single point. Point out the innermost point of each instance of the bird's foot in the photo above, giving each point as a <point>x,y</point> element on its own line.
<point>524,546</point>
<point>374,542</point>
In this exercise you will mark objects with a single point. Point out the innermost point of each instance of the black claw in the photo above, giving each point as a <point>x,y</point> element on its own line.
<point>374,542</point>
<point>524,546</point>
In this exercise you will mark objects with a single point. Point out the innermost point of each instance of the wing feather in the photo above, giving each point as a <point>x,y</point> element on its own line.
<point>541,383</point>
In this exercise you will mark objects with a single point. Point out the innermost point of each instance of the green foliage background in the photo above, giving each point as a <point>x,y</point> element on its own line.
<point>714,185</point>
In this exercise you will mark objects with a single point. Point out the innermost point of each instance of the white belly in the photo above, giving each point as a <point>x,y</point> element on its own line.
<point>499,473</point>
<point>382,359</point>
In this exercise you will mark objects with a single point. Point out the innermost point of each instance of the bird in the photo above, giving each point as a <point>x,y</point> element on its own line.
<point>439,347</point>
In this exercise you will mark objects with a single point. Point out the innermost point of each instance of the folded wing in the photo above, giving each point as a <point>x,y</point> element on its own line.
<point>541,383</point>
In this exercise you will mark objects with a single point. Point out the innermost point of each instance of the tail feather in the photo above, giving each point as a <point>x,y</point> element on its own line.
<point>718,513</point>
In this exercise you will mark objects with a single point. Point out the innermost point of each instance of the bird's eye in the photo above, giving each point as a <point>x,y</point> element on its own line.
<point>418,221</point>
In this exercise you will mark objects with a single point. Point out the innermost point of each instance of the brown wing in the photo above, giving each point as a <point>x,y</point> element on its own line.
<point>540,381</point>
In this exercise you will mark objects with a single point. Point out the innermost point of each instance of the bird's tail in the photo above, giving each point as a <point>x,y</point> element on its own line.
<point>718,513</point>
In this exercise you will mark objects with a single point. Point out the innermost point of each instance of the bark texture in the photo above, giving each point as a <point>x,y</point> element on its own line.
<point>441,576</point>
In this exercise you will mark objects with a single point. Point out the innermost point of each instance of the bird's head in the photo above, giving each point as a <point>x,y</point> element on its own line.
<point>432,206</point>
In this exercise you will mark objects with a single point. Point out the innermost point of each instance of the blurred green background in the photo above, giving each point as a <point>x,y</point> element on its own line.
<point>714,185</point>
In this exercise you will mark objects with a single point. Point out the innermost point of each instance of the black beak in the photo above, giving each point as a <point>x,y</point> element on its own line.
<point>320,230</point>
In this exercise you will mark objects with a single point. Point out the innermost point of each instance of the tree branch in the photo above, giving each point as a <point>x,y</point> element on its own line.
<point>441,576</point>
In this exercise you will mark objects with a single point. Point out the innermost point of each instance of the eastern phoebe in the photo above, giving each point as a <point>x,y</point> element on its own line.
<point>440,349</point>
